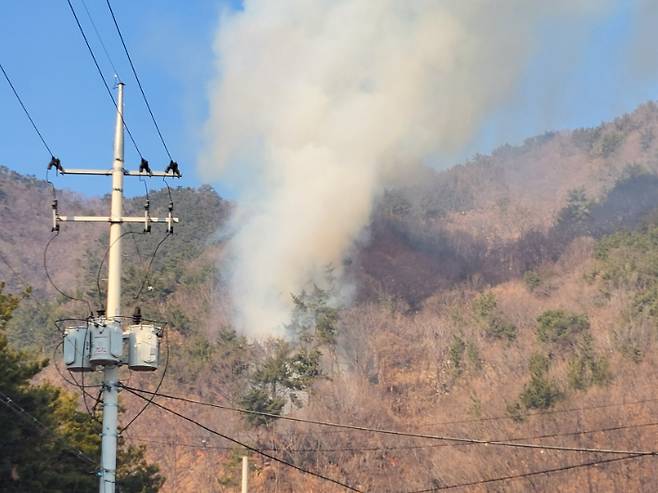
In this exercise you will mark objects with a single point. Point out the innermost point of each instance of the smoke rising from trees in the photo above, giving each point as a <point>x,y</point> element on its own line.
<point>318,105</point>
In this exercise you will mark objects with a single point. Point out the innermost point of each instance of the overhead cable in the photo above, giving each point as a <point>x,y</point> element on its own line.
<point>139,82</point>
<point>100,40</point>
<point>246,446</point>
<point>27,113</point>
<point>147,274</point>
<point>17,409</point>
<point>157,388</point>
<point>530,474</point>
<point>50,280</point>
<point>100,266</point>
<point>385,448</point>
<point>100,73</point>
<point>458,439</point>
<point>603,405</point>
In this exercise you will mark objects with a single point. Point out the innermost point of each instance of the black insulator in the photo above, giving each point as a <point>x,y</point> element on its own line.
<point>173,167</point>
<point>147,205</point>
<point>55,163</point>
<point>137,315</point>
<point>144,167</point>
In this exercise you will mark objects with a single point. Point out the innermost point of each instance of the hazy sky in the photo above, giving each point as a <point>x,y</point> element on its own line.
<point>172,46</point>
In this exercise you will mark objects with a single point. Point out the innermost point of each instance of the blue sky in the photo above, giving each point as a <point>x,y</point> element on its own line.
<point>43,52</point>
<point>171,44</point>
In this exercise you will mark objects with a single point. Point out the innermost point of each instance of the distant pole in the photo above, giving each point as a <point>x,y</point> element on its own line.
<point>245,474</point>
<point>111,372</point>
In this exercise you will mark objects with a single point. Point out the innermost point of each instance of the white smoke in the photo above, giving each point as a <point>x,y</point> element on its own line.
<point>317,103</point>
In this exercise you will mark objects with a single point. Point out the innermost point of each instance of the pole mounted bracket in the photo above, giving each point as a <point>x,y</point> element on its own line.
<point>147,220</point>
<point>169,173</point>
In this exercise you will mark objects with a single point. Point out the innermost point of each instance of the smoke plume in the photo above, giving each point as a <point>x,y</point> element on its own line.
<point>318,104</point>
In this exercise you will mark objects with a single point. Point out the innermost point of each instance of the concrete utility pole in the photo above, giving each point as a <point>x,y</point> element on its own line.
<point>245,474</point>
<point>103,341</point>
<point>113,309</point>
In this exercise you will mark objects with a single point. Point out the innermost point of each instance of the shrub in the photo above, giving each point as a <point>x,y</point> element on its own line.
<point>532,280</point>
<point>515,411</point>
<point>485,305</point>
<point>577,210</point>
<point>584,372</point>
<point>259,400</point>
<point>609,143</point>
<point>646,139</point>
<point>540,392</point>
<point>456,353</point>
<point>634,339</point>
<point>559,326</point>
<point>495,326</point>
<point>473,355</point>
<point>538,365</point>
<point>501,329</point>
<point>587,368</point>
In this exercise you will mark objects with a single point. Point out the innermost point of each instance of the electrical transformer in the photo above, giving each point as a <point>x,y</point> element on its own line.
<point>77,348</point>
<point>106,344</point>
<point>144,344</point>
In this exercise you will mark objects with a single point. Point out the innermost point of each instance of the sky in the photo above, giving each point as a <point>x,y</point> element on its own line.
<point>171,43</point>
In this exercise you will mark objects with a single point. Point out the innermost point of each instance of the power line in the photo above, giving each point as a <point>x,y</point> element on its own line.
<point>100,39</point>
<point>100,266</point>
<point>452,486</point>
<point>532,473</point>
<point>50,280</point>
<point>27,113</point>
<point>544,413</point>
<point>164,372</point>
<point>604,405</point>
<point>246,446</point>
<point>14,407</point>
<point>139,83</point>
<point>503,443</point>
<point>150,264</point>
<point>416,447</point>
<point>100,73</point>
<point>81,386</point>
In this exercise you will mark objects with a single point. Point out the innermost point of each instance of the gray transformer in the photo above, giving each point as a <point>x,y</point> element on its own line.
<point>77,348</point>
<point>144,347</point>
<point>106,344</point>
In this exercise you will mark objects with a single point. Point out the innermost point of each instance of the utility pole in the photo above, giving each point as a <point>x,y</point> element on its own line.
<point>245,474</point>
<point>101,344</point>
<point>113,309</point>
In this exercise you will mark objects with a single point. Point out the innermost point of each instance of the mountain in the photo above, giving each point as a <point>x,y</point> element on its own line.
<point>493,216</point>
<point>511,298</point>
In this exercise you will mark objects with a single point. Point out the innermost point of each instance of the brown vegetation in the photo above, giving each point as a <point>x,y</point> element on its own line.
<point>488,307</point>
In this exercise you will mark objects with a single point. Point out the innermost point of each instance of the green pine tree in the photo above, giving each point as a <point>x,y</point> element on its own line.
<point>44,455</point>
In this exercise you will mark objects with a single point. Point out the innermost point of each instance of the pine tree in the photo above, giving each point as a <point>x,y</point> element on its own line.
<point>42,455</point>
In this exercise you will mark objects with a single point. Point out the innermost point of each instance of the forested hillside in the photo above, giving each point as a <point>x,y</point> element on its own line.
<point>512,298</point>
